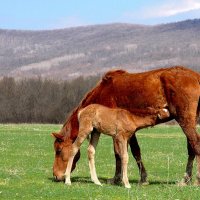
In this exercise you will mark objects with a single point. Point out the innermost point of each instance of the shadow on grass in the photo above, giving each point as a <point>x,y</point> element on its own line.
<point>87,179</point>
<point>162,183</point>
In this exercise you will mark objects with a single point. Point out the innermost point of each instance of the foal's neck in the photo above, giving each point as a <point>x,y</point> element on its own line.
<point>144,121</point>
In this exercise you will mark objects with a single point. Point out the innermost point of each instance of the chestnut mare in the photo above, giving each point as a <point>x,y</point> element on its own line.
<point>116,122</point>
<point>177,87</point>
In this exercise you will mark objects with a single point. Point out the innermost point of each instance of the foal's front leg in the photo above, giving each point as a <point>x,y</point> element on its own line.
<point>91,153</point>
<point>68,170</point>
<point>75,147</point>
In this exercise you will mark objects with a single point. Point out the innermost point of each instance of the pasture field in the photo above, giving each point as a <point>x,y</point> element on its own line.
<point>26,159</point>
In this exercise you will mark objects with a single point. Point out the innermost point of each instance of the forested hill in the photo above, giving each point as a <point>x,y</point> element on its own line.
<point>68,53</point>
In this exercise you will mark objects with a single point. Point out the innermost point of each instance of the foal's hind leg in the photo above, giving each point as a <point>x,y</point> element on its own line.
<point>135,149</point>
<point>91,152</point>
<point>121,144</point>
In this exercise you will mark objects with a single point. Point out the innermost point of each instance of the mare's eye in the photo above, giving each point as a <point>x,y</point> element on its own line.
<point>59,140</point>
<point>58,151</point>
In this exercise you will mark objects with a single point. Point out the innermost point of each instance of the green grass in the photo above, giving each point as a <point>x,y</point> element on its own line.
<point>26,159</point>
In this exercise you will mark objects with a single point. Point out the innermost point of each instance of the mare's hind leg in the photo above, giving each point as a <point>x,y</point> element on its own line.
<point>188,124</point>
<point>194,144</point>
<point>91,153</point>
<point>182,93</point>
<point>118,168</point>
<point>135,149</point>
<point>188,174</point>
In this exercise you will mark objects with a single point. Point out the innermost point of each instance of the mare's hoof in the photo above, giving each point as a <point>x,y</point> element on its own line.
<point>182,183</point>
<point>144,183</point>
<point>114,181</point>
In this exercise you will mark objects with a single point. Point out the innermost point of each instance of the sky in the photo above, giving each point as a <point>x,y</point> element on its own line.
<point>56,14</point>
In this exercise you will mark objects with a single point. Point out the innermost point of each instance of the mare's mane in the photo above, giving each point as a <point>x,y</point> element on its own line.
<point>91,97</point>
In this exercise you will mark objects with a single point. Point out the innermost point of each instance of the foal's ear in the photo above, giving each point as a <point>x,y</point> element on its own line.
<point>58,136</point>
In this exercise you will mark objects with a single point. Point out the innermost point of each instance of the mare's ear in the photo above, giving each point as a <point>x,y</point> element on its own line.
<point>58,136</point>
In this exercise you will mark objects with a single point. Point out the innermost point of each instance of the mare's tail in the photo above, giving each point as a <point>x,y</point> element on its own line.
<point>198,112</point>
<point>198,108</point>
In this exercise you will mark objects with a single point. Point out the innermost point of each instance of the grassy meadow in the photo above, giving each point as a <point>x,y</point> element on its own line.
<point>26,159</point>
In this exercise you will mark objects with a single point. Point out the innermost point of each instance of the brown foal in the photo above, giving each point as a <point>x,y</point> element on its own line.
<point>116,122</point>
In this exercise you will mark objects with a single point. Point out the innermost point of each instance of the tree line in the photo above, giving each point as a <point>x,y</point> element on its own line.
<point>41,101</point>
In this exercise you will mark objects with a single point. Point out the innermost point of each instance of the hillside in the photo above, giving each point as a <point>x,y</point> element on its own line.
<point>90,50</point>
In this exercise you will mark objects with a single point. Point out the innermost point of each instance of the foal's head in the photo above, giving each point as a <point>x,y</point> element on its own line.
<point>62,147</point>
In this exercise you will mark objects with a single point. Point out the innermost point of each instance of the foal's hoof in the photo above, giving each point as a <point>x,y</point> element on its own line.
<point>128,186</point>
<point>67,183</point>
<point>97,183</point>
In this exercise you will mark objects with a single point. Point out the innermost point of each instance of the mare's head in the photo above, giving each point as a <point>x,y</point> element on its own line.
<point>62,147</point>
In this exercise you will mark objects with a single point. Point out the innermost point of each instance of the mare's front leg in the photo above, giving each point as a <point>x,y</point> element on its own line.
<point>135,149</point>
<point>91,153</point>
<point>118,168</point>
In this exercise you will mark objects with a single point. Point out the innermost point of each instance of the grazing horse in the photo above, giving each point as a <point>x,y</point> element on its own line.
<point>176,88</point>
<point>116,122</point>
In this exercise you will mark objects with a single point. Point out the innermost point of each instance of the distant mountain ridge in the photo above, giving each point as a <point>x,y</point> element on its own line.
<point>90,50</point>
